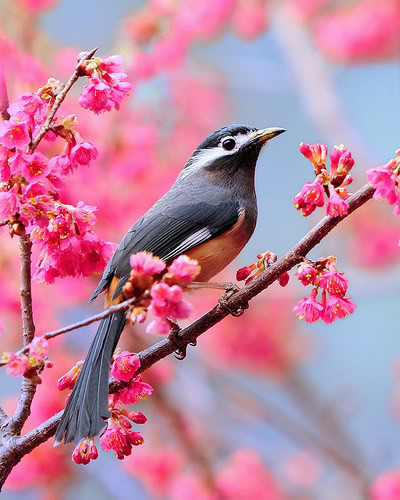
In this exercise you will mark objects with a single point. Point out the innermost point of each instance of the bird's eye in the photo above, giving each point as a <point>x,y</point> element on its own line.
<point>228,143</point>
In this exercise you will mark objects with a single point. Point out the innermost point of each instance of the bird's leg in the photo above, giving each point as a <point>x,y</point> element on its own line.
<point>230,289</point>
<point>216,285</point>
<point>173,336</point>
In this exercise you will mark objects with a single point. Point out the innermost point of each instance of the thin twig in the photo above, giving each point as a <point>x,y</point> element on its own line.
<point>123,306</point>
<point>59,99</point>
<point>28,388</point>
<point>190,333</point>
<point>4,222</point>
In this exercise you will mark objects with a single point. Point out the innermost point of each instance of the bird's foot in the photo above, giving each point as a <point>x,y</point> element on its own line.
<point>181,346</point>
<point>223,301</point>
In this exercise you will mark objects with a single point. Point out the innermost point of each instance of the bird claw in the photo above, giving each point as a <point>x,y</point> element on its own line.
<point>181,347</point>
<point>223,301</point>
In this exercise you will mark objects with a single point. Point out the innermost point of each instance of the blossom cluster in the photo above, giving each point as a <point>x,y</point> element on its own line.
<point>106,86</point>
<point>386,181</point>
<point>31,183</point>
<point>330,183</point>
<point>324,277</point>
<point>29,363</point>
<point>264,260</point>
<point>118,435</point>
<point>162,295</point>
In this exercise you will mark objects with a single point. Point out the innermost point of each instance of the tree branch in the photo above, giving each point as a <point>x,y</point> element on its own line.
<point>59,99</point>
<point>28,388</point>
<point>190,333</point>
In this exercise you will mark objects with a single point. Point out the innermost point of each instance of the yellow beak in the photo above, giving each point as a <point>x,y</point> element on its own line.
<point>265,134</point>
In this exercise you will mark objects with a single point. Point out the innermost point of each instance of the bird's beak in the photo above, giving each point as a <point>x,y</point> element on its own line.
<point>264,135</point>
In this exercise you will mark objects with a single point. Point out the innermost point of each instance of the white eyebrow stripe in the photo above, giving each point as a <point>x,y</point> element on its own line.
<point>193,240</point>
<point>205,157</point>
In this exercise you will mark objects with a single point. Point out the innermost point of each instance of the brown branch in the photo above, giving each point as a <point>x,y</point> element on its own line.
<point>59,99</point>
<point>28,388</point>
<point>190,333</point>
<point>4,222</point>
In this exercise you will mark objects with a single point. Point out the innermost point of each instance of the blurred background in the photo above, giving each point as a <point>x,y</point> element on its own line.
<point>265,405</point>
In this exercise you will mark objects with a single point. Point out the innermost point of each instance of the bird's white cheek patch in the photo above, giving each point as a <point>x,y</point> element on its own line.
<point>206,157</point>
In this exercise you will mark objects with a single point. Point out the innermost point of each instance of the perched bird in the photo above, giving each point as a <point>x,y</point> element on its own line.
<point>208,214</point>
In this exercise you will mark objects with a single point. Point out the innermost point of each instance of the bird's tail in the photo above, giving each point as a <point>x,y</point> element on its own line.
<point>88,402</point>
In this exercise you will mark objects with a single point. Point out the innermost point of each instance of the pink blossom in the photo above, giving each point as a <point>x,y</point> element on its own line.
<point>34,166</point>
<point>335,154</point>
<point>337,308</point>
<point>96,96</point>
<point>334,282</point>
<point>337,206</point>
<point>30,106</point>
<point>68,380</point>
<point>14,134</point>
<point>316,153</point>
<point>168,303</point>
<point>112,64</point>
<point>85,451</point>
<point>118,91</point>
<point>346,163</point>
<point>244,272</point>
<point>300,204</point>
<point>137,417</point>
<point>16,365</point>
<point>83,153</point>
<point>184,269</point>
<point>113,438</point>
<point>38,348</point>
<point>8,203</point>
<point>145,264</point>
<point>5,170</point>
<point>313,193</point>
<point>383,180</point>
<point>283,279</point>
<point>119,437</point>
<point>60,164</point>
<point>307,274</point>
<point>137,389</point>
<point>309,308</point>
<point>125,365</point>
<point>159,325</point>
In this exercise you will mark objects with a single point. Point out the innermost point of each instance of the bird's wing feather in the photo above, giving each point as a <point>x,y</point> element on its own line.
<point>168,232</point>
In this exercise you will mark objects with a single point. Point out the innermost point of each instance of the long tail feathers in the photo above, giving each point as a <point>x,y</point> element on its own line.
<point>88,402</point>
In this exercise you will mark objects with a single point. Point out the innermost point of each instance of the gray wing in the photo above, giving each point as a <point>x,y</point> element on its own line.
<point>168,231</point>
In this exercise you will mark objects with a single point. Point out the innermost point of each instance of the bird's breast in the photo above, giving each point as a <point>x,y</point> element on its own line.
<point>216,254</point>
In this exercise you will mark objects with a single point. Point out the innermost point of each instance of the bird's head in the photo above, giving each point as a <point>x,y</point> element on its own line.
<point>230,149</point>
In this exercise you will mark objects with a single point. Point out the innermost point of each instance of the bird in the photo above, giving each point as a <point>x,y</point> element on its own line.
<point>209,214</point>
